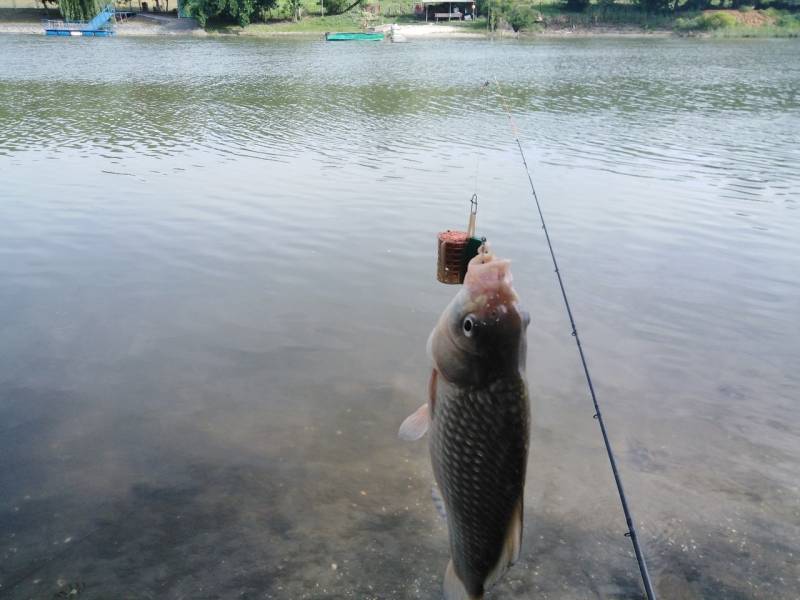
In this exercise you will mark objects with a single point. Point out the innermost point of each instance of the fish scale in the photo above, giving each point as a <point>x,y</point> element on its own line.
<point>479,450</point>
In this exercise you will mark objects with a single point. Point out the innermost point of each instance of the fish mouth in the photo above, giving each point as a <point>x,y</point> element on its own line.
<point>488,282</point>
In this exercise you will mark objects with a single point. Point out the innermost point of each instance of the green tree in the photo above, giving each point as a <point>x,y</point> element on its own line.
<point>240,11</point>
<point>655,5</point>
<point>337,7</point>
<point>79,10</point>
<point>46,2</point>
<point>295,7</point>
<point>577,5</point>
<point>521,16</point>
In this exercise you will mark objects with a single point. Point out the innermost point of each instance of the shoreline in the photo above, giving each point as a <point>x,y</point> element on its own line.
<point>159,25</point>
<point>410,32</point>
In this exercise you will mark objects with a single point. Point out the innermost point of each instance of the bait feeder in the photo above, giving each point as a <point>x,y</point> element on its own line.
<point>457,248</point>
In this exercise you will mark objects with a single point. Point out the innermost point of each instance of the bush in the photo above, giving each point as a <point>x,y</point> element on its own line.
<point>790,21</point>
<point>685,25</point>
<point>283,10</point>
<point>521,16</point>
<point>706,22</point>
<point>718,20</point>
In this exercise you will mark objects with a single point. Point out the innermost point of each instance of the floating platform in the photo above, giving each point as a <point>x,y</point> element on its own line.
<point>77,32</point>
<point>354,36</point>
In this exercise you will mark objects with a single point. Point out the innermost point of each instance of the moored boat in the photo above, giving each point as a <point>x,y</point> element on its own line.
<point>348,36</point>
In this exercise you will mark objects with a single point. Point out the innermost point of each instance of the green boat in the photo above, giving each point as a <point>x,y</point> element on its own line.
<point>347,36</point>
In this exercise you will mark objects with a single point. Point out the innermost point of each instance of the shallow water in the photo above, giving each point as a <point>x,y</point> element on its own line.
<point>217,280</point>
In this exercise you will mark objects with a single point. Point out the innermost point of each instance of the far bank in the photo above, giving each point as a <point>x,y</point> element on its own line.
<point>549,21</point>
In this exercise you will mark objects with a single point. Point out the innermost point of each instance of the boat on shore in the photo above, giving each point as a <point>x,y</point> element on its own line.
<point>352,36</point>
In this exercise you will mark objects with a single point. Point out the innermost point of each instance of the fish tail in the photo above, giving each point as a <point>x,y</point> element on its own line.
<point>454,588</point>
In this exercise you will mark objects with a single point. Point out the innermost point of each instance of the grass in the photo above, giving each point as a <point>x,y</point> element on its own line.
<point>765,31</point>
<point>478,24</point>
<point>311,24</point>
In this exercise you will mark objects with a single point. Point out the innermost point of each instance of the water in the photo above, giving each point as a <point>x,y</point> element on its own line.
<point>217,279</point>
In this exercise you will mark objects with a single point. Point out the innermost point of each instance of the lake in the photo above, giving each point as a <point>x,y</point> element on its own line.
<point>217,278</point>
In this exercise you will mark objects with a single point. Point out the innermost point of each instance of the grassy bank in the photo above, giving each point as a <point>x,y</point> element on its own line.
<point>745,22</point>
<point>310,24</point>
<point>741,23</point>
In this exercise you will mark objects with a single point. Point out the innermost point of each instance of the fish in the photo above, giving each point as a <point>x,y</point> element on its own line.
<point>478,416</point>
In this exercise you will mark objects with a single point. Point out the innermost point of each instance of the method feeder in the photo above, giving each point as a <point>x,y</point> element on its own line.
<point>457,248</point>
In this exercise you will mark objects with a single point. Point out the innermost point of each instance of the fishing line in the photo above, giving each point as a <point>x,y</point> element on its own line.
<point>632,534</point>
<point>67,548</point>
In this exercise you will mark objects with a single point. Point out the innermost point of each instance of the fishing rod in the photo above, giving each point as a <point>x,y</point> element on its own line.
<point>631,533</point>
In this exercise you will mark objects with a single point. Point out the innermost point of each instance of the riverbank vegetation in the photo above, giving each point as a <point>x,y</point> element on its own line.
<point>746,22</point>
<point>709,18</point>
<point>685,17</point>
<point>244,12</point>
<point>521,16</point>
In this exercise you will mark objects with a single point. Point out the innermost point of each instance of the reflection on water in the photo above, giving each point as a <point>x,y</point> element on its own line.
<point>216,282</point>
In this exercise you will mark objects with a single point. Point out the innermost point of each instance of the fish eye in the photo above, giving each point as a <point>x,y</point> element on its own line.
<point>468,325</point>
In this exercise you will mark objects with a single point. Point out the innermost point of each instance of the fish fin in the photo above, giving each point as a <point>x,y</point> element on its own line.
<point>416,424</point>
<point>432,390</point>
<point>454,588</point>
<point>511,547</point>
<point>438,502</point>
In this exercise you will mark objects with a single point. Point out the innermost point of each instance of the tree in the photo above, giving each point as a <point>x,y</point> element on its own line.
<point>46,2</point>
<point>241,11</point>
<point>521,16</point>
<point>79,10</point>
<point>295,7</point>
<point>577,5</point>
<point>655,5</point>
<point>337,7</point>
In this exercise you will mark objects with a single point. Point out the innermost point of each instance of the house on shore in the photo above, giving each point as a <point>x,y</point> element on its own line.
<point>436,10</point>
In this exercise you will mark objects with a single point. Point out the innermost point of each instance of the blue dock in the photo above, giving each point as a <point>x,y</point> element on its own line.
<point>102,25</point>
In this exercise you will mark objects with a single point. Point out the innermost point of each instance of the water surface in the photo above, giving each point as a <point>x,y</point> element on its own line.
<point>217,279</point>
